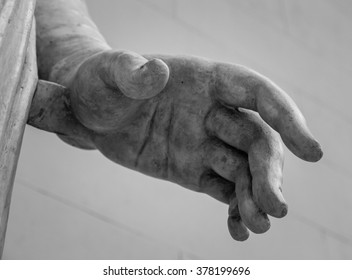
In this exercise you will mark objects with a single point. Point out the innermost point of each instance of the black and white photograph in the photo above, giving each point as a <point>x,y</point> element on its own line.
<point>175,130</point>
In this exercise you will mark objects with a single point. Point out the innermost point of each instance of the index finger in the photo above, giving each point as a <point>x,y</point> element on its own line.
<point>238,86</point>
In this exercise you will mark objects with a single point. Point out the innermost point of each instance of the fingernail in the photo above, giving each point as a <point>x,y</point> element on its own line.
<point>152,78</point>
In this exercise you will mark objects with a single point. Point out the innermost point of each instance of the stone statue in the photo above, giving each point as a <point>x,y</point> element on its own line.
<point>210,127</point>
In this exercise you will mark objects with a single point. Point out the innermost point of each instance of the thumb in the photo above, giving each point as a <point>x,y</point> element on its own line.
<point>136,77</point>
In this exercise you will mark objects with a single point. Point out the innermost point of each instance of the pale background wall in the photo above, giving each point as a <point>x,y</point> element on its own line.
<point>70,204</point>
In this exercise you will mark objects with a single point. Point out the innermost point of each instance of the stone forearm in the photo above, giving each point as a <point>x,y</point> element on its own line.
<point>65,37</point>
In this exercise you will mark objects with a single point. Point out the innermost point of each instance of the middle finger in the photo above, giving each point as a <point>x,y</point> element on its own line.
<point>245,131</point>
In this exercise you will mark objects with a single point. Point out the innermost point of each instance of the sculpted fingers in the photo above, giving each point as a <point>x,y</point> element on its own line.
<point>224,191</point>
<point>255,219</point>
<point>237,229</point>
<point>237,86</point>
<point>110,87</point>
<point>245,131</point>
<point>233,166</point>
<point>134,75</point>
<point>266,164</point>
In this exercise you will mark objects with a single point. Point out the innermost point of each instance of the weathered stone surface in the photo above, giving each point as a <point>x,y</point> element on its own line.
<point>18,76</point>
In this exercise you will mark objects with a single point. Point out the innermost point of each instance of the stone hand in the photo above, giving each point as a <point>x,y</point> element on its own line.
<point>210,127</point>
